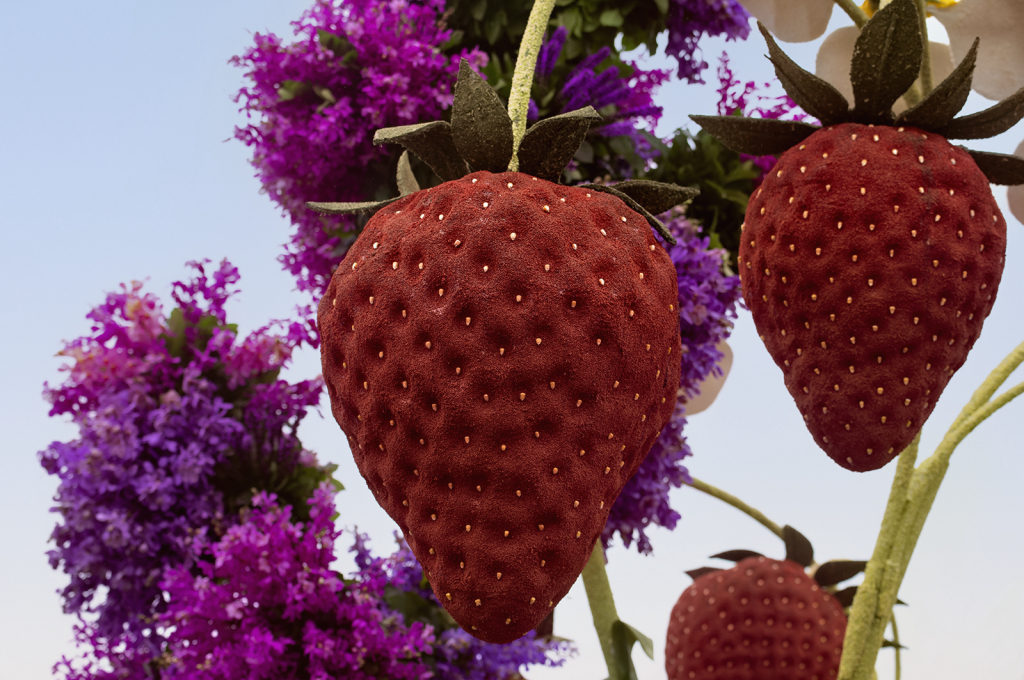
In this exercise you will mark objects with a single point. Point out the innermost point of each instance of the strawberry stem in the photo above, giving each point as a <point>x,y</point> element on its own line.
<point>913,493</point>
<point>854,12</point>
<point>522,77</point>
<point>896,643</point>
<point>602,604</point>
<point>738,504</point>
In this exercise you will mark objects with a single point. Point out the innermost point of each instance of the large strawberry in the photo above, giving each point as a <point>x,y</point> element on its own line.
<point>872,253</point>
<point>502,351</point>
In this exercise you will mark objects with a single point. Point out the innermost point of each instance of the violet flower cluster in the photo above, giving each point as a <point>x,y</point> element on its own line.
<point>689,20</point>
<point>354,67</point>
<point>162,406</point>
<point>707,301</point>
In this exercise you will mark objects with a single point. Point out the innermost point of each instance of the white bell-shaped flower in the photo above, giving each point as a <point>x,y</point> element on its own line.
<point>792,20</point>
<point>711,385</point>
<point>1015,194</point>
<point>1000,69</point>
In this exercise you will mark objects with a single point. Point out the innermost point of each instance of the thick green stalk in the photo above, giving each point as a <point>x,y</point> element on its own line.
<point>522,77</point>
<point>853,11</point>
<point>602,604</point>
<point>738,504</point>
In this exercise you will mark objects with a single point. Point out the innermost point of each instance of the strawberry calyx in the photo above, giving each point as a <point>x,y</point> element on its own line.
<point>480,138</point>
<point>886,62</point>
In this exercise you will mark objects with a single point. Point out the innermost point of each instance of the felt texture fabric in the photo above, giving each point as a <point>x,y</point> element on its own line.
<point>870,257</point>
<point>501,352</point>
<point>763,619</point>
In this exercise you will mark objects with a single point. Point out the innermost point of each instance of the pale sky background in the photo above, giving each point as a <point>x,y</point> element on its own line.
<point>114,167</point>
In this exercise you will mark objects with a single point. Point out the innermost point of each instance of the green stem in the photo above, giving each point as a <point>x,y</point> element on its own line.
<point>995,380</point>
<point>853,11</point>
<point>522,77</point>
<point>602,604</point>
<point>738,504</point>
<point>926,56</point>
<point>896,641</point>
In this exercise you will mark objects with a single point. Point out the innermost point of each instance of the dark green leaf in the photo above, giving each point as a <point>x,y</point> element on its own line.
<point>814,95</point>
<point>651,219</point>
<point>416,608</point>
<point>407,183</point>
<point>481,127</point>
<point>611,17</point>
<point>736,555</point>
<point>798,548</point>
<point>292,89</point>
<point>431,142</point>
<point>479,10</point>
<point>623,638</point>
<point>999,168</point>
<point>662,6</point>
<point>937,109</point>
<point>886,61</point>
<point>656,197</point>
<point>702,571</point>
<point>988,123</point>
<point>349,208</point>
<point>836,571</point>
<point>845,596</point>
<point>325,94</point>
<point>586,153</point>
<point>756,136</point>
<point>890,643</point>
<point>339,45</point>
<point>550,144</point>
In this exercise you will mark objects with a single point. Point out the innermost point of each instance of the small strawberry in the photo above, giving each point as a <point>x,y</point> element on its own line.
<point>872,253</point>
<point>502,352</point>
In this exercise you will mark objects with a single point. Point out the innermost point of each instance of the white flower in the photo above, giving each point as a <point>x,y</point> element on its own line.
<point>1000,70</point>
<point>711,385</point>
<point>792,20</point>
<point>1015,195</point>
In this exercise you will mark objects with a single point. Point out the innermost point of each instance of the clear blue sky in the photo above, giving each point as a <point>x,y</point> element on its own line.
<point>114,166</point>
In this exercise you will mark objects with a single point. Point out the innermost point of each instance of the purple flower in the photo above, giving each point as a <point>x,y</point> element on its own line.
<point>549,52</point>
<point>707,302</point>
<point>688,20</point>
<point>354,67</point>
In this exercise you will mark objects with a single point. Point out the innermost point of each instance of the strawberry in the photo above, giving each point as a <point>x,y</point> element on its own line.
<point>872,253</point>
<point>501,352</point>
<point>763,619</point>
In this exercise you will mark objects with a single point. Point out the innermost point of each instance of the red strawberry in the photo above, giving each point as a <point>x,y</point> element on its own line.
<point>501,351</point>
<point>763,619</point>
<point>872,253</point>
<point>870,258</point>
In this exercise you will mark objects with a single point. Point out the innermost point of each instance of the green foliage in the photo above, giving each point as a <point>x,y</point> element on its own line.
<point>725,181</point>
<point>624,636</point>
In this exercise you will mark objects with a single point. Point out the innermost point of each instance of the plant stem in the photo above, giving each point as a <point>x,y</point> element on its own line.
<point>738,504</point>
<point>602,604</point>
<point>926,55</point>
<point>896,641</point>
<point>853,11</point>
<point>522,77</point>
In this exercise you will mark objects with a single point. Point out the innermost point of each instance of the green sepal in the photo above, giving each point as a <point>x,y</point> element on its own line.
<point>756,136</point>
<point>837,571</point>
<point>798,548</point>
<point>988,123</point>
<point>651,219</point>
<point>432,142</point>
<point>623,638</point>
<point>814,95</point>
<point>481,128</point>
<point>845,596</point>
<point>550,144</point>
<point>736,555</point>
<point>890,643</point>
<point>999,168</point>
<point>657,197</point>
<point>701,571</point>
<point>350,208</point>
<point>407,183</point>
<point>546,628</point>
<point>886,61</point>
<point>937,109</point>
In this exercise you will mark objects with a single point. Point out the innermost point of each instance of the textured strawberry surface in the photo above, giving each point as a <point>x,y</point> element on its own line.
<point>502,352</point>
<point>870,258</point>
<point>763,619</point>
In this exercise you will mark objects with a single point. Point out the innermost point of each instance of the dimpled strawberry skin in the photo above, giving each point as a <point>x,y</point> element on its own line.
<point>870,257</point>
<point>763,619</point>
<point>502,352</point>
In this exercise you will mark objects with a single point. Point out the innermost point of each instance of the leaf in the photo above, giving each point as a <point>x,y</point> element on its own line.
<point>940,106</point>
<point>407,183</point>
<point>736,555</point>
<point>890,643</point>
<point>814,95</point>
<point>416,608</point>
<point>886,61</point>
<point>836,571</point>
<point>999,168</point>
<point>988,123</point>
<point>656,197</point>
<point>798,548</point>
<point>432,142</point>
<point>845,596</point>
<point>702,571</point>
<point>611,17</point>
<point>623,638</point>
<point>481,128</point>
<point>550,144</point>
<point>651,219</point>
<point>349,208</point>
<point>755,136</point>
<point>292,89</point>
<point>339,45</point>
